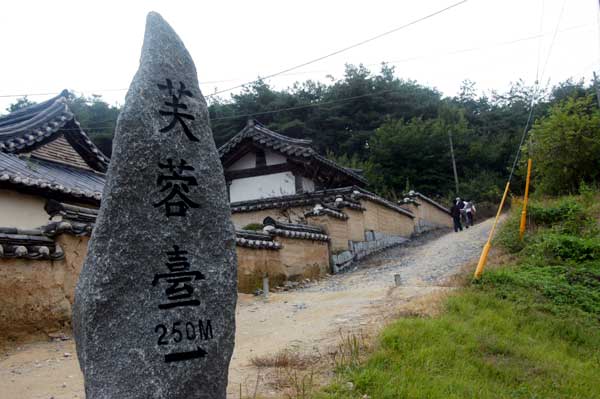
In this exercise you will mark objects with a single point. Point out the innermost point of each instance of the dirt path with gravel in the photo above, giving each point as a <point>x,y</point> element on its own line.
<point>308,319</point>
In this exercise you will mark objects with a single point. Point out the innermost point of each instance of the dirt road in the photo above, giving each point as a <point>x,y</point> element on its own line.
<point>307,319</point>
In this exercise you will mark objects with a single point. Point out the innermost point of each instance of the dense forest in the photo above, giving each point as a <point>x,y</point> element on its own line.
<point>398,131</point>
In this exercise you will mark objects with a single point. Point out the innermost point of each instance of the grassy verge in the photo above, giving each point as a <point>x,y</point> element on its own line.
<point>528,329</point>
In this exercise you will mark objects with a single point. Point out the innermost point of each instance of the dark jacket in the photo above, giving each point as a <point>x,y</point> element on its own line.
<point>455,211</point>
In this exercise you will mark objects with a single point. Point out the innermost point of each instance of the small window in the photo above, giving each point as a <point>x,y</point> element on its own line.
<point>261,159</point>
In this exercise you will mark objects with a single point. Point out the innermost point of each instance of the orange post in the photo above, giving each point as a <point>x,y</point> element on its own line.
<point>488,244</point>
<point>524,211</point>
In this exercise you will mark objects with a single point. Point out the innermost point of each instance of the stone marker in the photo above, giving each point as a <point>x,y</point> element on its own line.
<point>155,302</point>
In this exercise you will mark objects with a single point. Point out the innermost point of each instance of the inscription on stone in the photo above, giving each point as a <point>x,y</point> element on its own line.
<point>175,105</point>
<point>162,255</point>
<point>176,183</point>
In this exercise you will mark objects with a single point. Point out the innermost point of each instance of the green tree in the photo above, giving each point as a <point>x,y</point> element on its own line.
<point>97,118</point>
<point>21,102</point>
<point>565,146</point>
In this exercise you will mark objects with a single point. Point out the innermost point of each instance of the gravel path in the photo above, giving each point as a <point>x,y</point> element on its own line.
<point>424,261</point>
<point>308,319</point>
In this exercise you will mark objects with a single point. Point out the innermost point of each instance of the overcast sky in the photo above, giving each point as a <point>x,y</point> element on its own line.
<point>94,47</point>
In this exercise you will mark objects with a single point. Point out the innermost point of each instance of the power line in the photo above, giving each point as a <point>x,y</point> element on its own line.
<point>562,9</point>
<point>347,48</point>
<point>327,55</point>
<point>277,110</point>
<point>392,62</point>
<point>533,94</point>
<point>302,106</point>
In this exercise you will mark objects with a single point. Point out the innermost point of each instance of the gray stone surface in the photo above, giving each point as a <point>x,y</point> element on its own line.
<point>150,323</point>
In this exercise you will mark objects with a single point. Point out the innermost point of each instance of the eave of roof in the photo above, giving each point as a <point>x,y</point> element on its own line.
<point>46,176</point>
<point>30,127</point>
<point>346,196</point>
<point>432,202</point>
<point>299,149</point>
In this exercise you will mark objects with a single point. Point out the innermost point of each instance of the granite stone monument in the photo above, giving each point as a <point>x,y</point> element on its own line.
<point>154,313</point>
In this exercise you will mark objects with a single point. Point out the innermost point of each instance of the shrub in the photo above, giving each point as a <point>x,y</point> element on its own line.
<point>508,235</point>
<point>253,227</point>
<point>564,210</point>
<point>564,247</point>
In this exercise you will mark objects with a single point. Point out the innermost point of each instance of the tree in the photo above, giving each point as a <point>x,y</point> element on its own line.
<point>19,104</point>
<point>97,118</point>
<point>565,146</point>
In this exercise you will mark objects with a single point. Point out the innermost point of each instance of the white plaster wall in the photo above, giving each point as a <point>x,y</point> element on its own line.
<point>21,210</point>
<point>266,186</point>
<point>274,158</point>
<point>248,161</point>
<point>308,185</point>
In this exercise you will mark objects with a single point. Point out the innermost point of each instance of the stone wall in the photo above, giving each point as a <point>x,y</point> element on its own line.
<point>37,294</point>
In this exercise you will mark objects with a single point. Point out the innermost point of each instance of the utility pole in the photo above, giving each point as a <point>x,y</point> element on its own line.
<point>453,161</point>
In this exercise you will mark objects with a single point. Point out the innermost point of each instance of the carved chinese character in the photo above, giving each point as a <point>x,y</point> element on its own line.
<point>179,291</point>
<point>176,105</point>
<point>178,184</point>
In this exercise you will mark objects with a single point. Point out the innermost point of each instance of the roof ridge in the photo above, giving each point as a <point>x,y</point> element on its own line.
<point>280,136</point>
<point>35,107</point>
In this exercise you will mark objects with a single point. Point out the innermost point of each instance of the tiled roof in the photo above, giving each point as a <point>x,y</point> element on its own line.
<point>28,244</point>
<point>27,129</point>
<point>59,150</point>
<point>337,197</point>
<point>294,230</point>
<point>327,210</point>
<point>37,174</point>
<point>414,194</point>
<point>255,240</point>
<point>298,149</point>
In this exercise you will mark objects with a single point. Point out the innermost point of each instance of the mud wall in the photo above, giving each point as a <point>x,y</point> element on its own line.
<point>36,295</point>
<point>434,215</point>
<point>253,264</point>
<point>22,210</point>
<point>336,229</point>
<point>386,220</point>
<point>304,258</point>
<point>356,224</point>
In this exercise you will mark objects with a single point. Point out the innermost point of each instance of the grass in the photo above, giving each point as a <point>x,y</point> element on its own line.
<point>285,359</point>
<point>527,329</point>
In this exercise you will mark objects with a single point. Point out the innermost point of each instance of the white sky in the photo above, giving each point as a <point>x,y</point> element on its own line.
<point>94,47</point>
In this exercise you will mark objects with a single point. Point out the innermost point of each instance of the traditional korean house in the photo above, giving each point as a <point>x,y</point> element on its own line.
<point>260,163</point>
<point>277,178</point>
<point>44,154</point>
<point>51,181</point>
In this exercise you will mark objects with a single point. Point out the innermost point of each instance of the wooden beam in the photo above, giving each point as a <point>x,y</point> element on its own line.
<point>252,172</point>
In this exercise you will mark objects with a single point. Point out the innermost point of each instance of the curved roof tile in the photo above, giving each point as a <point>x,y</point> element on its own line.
<point>28,128</point>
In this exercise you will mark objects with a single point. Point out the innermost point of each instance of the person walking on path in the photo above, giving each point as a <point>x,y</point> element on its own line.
<point>469,212</point>
<point>455,213</point>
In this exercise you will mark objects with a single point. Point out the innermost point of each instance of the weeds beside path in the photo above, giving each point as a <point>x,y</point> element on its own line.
<point>529,329</point>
